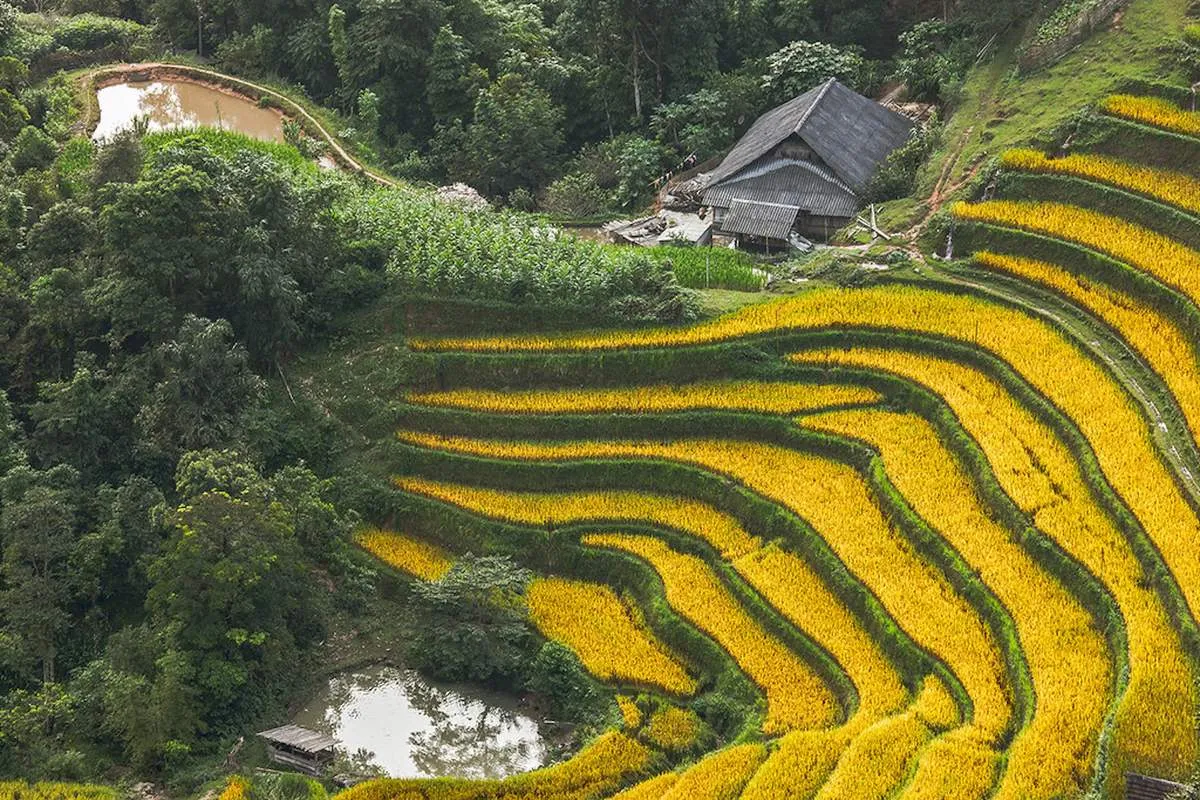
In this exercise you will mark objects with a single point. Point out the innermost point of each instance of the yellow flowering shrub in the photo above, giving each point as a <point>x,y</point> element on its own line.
<point>1170,187</point>
<point>1154,726</point>
<point>590,619</point>
<point>417,558</point>
<point>673,729</point>
<point>1067,657</point>
<point>238,788</point>
<point>719,776</point>
<point>1153,111</point>
<point>770,397</point>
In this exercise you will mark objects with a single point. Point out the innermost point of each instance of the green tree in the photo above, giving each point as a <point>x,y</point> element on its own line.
<point>515,139</point>
<point>38,531</point>
<point>474,621</point>
<point>32,149</point>
<point>799,66</point>
<point>454,80</point>
<point>204,388</point>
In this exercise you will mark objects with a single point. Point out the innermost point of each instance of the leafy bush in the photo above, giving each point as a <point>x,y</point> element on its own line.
<point>93,32</point>
<point>576,194</point>
<point>933,59</point>
<point>557,675</point>
<point>897,176</point>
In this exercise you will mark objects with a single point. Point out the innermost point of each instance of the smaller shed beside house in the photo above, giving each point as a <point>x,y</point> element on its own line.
<point>802,167</point>
<point>301,749</point>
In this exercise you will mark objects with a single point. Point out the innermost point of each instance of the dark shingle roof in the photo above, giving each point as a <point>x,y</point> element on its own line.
<point>1142,787</point>
<point>811,187</point>
<point>768,220</point>
<point>849,132</point>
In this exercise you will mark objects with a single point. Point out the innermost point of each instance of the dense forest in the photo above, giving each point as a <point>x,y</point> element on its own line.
<point>572,105</point>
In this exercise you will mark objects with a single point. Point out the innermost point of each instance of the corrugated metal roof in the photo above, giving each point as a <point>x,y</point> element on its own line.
<point>301,739</point>
<point>807,186</point>
<point>1142,787</point>
<point>851,133</point>
<point>766,220</point>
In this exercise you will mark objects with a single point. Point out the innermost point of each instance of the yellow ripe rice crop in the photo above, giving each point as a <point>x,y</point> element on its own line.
<point>652,789</point>
<point>1154,727</point>
<point>719,776</point>
<point>799,765</point>
<point>238,788</point>
<point>760,396</point>
<point>1153,111</point>
<point>1107,416</point>
<point>673,729</point>
<point>609,761</point>
<point>878,759</point>
<point>782,578</point>
<point>1170,187</point>
<point>417,558</point>
<point>590,619</point>
<point>719,529</point>
<point>1154,336</point>
<point>631,715</point>
<point>836,502</point>
<point>796,697</point>
<point>936,706</point>
<point>953,767</point>
<point>1067,657</point>
<point>1160,256</point>
<point>47,790</point>
<point>790,584</point>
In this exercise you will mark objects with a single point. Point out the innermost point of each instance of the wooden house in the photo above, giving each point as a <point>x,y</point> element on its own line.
<point>802,167</point>
<point>303,750</point>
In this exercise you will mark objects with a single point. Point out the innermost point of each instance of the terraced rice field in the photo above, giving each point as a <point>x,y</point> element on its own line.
<point>939,538</point>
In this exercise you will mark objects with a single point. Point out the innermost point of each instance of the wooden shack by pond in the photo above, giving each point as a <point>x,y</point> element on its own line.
<point>802,167</point>
<point>301,749</point>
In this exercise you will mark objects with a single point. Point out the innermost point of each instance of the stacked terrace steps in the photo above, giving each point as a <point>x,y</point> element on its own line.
<point>986,511</point>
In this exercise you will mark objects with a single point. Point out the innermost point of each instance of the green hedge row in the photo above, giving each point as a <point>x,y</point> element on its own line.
<point>429,314</point>
<point>1141,144</point>
<point>1179,95</point>
<point>1165,219</point>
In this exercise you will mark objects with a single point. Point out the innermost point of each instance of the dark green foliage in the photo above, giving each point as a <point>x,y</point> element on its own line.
<point>557,675</point>
<point>897,176</point>
<point>32,149</point>
<point>473,622</point>
<point>933,59</point>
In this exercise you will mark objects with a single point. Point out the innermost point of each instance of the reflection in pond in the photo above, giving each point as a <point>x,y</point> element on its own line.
<point>181,104</point>
<point>420,729</point>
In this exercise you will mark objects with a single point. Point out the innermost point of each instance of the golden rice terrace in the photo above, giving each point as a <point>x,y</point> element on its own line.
<point>944,541</point>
